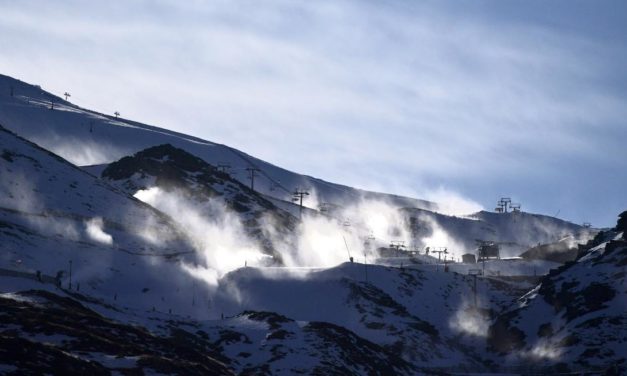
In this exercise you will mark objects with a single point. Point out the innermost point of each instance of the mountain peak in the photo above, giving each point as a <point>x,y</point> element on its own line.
<point>162,160</point>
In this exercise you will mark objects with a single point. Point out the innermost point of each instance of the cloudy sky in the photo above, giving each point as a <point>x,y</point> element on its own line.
<point>524,99</point>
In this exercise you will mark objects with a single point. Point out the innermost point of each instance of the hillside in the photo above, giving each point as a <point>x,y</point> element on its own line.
<point>86,137</point>
<point>576,316</point>
<point>160,260</point>
<point>166,170</point>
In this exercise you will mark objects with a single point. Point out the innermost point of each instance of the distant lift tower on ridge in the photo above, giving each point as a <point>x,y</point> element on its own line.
<point>501,205</point>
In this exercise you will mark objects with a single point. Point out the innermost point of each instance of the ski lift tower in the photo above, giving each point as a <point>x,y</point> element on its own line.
<point>439,251</point>
<point>504,202</point>
<point>368,244</point>
<point>475,273</point>
<point>487,250</point>
<point>499,207</point>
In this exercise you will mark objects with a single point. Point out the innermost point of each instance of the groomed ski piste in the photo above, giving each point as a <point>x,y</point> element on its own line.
<point>160,263</point>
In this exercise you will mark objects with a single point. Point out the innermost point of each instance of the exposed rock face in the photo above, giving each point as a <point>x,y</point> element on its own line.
<point>583,306</point>
<point>176,170</point>
<point>77,340</point>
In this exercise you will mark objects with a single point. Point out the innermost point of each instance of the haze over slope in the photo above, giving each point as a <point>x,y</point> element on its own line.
<point>85,137</point>
<point>83,260</point>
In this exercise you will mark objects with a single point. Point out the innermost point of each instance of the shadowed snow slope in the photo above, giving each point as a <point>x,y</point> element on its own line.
<point>577,315</point>
<point>53,213</point>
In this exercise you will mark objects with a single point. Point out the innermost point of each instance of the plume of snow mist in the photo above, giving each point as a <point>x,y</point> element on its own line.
<point>378,218</point>
<point>94,230</point>
<point>438,237</point>
<point>321,242</point>
<point>544,349</point>
<point>18,193</point>
<point>451,203</point>
<point>81,152</point>
<point>216,234</point>
<point>330,238</point>
<point>470,320</point>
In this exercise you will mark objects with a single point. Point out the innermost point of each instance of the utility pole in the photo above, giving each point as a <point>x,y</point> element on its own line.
<point>439,251</point>
<point>66,94</point>
<point>475,273</point>
<point>298,197</point>
<point>367,246</point>
<point>70,274</point>
<point>116,114</point>
<point>346,225</point>
<point>193,292</point>
<point>253,173</point>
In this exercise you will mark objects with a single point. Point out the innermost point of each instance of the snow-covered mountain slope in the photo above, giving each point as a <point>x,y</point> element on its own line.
<point>64,331</point>
<point>193,180</point>
<point>419,315</point>
<point>53,333</point>
<point>60,213</point>
<point>163,287</point>
<point>57,219</point>
<point>564,250</point>
<point>577,316</point>
<point>515,232</point>
<point>86,137</point>
<point>266,343</point>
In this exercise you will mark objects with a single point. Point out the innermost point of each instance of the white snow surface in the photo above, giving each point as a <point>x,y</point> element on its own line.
<point>53,213</point>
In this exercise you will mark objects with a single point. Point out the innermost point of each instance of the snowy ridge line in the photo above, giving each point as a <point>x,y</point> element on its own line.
<point>249,161</point>
<point>277,183</point>
<point>34,145</point>
<point>59,101</point>
<point>254,165</point>
<point>56,132</point>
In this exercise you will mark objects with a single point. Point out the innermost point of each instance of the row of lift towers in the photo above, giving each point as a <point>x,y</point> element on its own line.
<point>297,196</point>
<point>486,250</point>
